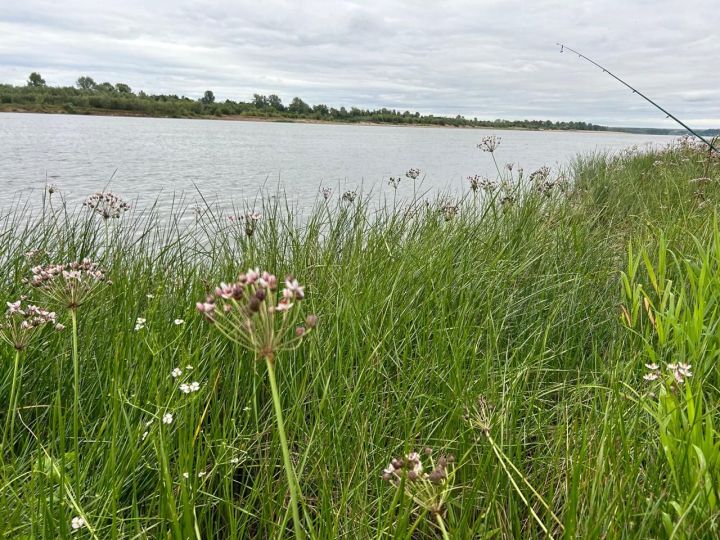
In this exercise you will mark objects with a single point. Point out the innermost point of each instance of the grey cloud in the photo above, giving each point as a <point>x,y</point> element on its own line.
<point>487,58</point>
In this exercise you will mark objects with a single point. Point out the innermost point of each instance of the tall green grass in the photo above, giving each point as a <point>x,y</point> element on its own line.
<point>496,335</point>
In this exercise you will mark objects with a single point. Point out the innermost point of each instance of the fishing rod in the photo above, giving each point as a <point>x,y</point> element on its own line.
<point>605,70</point>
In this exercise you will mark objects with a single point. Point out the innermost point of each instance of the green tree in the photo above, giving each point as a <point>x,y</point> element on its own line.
<point>106,87</point>
<point>85,83</point>
<point>123,88</point>
<point>259,101</point>
<point>275,102</point>
<point>298,106</point>
<point>35,80</point>
<point>208,98</point>
<point>321,109</point>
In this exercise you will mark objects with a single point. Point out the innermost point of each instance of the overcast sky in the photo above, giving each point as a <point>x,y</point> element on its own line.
<point>484,58</point>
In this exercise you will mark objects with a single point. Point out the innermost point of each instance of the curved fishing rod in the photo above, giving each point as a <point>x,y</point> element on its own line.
<point>703,139</point>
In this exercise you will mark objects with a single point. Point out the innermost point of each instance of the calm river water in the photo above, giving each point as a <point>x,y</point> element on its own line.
<point>147,158</point>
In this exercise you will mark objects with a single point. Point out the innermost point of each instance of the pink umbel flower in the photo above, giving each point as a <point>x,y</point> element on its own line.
<point>21,323</point>
<point>254,314</point>
<point>69,284</point>
<point>107,205</point>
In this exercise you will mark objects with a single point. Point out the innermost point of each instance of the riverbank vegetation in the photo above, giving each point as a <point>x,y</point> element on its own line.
<point>538,358</point>
<point>89,97</point>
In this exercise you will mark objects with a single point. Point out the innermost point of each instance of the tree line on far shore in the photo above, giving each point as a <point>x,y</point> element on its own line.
<point>89,96</point>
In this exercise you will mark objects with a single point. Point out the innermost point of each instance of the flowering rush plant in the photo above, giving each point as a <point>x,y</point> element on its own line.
<point>107,205</point>
<point>255,314</point>
<point>22,322</point>
<point>429,491</point>
<point>71,284</point>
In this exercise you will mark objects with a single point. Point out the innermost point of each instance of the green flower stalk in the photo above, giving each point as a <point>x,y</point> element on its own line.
<point>252,313</point>
<point>21,325</point>
<point>70,286</point>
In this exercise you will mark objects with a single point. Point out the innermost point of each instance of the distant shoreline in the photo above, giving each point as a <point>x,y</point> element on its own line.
<point>286,120</point>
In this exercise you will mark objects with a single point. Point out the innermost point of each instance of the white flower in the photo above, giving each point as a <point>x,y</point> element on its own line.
<point>651,376</point>
<point>167,418</point>
<point>150,296</point>
<point>680,371</point>
<point>179,322</point>
<point>175,373</point>
<point>297,290</point>
<point>192,387</point>
<point>652,367</point>
<point>139,324</point>
<point>235,460</point>
<point>201,474</point>
<point>188,366</point>
<point>186,475</point>
<point>77,523</point>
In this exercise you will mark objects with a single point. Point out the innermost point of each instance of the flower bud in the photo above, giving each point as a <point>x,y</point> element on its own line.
<point>299,331</point>
<point>311,321</point>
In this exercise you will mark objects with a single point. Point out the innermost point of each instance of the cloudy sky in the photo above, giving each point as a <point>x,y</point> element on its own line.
<point>484,58</point>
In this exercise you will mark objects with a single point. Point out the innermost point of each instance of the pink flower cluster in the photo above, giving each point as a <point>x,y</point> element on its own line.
<point>245,311</point>
<point>21,322</point>
<point>253,290</point>
<point>42,276</point>
<point>413,468</point>
<point>480,182</point>
<point>106,204</point>
<point>679,371</point>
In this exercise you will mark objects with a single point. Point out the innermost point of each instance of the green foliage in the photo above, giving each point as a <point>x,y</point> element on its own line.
<point>91,97</point>
<point>492,333</point>
<point>208,98</point>
<point>678,316</point>
<point>35,80</point>
<point>85,83</point>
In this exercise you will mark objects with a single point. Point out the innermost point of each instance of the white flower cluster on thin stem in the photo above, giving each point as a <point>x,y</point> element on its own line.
<point>254,314</point>
<point>326,192</point>
<point>22,322</point>
<point>349,196</point>
<point>70,284</point>
<point>189,388</point>
<point>679,371</point>
<point>107,205</point>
